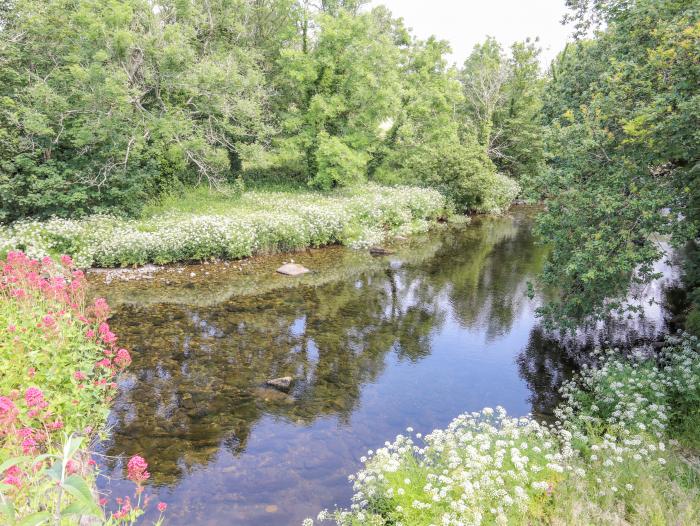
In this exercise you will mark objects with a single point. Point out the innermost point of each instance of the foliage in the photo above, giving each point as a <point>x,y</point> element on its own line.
<point>59,365</point>
<point>502,102</point>
<point>142,100</point>
<point>256,222</point>
<point>611,458</point>
<point>337,89</point>
<point>623,153</point>
<point>149,101</point>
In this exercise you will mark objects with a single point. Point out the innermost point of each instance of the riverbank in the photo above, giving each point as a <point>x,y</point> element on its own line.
<point>624,450</point>
<point>202,225</point>
<point>59,363</point>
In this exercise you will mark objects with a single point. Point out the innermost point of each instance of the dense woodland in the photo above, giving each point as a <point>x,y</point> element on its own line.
<point>107,104</point>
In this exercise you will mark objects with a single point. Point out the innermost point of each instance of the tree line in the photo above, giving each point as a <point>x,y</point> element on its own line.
<point>107,103</point>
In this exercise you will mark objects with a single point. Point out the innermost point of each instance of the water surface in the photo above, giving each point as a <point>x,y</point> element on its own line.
<point>375,344</point>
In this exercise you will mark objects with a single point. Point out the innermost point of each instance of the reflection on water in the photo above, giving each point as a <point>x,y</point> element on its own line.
<point>375,345</point>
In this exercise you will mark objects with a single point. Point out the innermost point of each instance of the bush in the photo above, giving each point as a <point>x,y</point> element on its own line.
<point>462,173</point>
<point>59,362</point>
<point>337,163</point>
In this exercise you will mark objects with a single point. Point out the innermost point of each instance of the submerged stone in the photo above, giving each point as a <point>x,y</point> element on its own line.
<point>283,383</point>
<point>292,269</point>
<point>380,251</point>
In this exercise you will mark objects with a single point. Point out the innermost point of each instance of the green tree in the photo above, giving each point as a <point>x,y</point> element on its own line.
<point>107,102</point>
<point>623,152</point>
<point>337,89</point>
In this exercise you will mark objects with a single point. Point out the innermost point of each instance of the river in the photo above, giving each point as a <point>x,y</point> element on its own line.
<point>376,344</point>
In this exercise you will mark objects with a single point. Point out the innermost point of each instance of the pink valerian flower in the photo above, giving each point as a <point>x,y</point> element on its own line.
<point>28,445</point>
<point>162,506</point>
<point>55,425</point>
<point>35,397</point>
<point>48,321</point>
<point>66,261</point>
<point>90,334</point>
<point>100,310</point>
<point>123,358</point>
<point>31,372</point>
<point>79,375</point>
<point>11,328</point>
<point>12,480</point>
<point>104,362</point>
<point>72,467</point>
<point>106,335</point>
<point>102,501</point>
<point>8,411</point>
<point>136,469</point>
<point>25,432</point>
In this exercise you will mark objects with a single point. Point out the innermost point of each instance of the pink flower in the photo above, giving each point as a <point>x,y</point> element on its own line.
<point>90,334</point>
<point>102,501</point>
<point>55,425</point>
<point>66,260</point>
<point>79,375</point>
<point>34,396</point>
<point>48,321</point>
<point>8,410</point>
<point>123,358</point>
<point>11,480</point>
<point>162,506</point>
<point>104,363</point>
<point>72,467</point>
<point>11,328</point>
<point>28,445</point>
<point>136,469</point>
<point>31,372</point>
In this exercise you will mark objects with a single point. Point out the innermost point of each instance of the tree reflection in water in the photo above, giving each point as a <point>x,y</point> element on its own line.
<point>196,388</point>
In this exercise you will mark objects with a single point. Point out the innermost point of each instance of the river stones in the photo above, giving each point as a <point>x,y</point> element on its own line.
<point>292,269</point>
<point>380,251</point>
<point>283,383</point>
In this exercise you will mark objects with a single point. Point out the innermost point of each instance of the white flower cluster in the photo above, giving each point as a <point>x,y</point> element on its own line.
<point>487,468</point>
<point>257,223</point>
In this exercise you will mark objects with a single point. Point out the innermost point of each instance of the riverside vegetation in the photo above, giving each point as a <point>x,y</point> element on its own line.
<point>233,227</point>
<point>60,363</point>
<point>187,105</point>
<point>618,453</point>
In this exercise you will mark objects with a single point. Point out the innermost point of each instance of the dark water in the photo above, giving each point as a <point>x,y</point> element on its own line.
<point>376,344</point>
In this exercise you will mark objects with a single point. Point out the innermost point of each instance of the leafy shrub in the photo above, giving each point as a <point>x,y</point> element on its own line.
<point>337,163</point>
<point>59,362</point>
<point>462,173</point>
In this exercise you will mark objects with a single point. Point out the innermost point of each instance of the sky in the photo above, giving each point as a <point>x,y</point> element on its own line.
<point>467,22</point>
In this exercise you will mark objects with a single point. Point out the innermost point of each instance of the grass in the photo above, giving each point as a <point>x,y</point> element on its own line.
<point>201,224</point>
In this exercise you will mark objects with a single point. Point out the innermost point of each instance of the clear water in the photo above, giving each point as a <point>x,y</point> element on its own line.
<point>441,327</point>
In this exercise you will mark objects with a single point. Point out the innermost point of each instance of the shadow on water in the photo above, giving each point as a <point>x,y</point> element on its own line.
<point>375,345</point>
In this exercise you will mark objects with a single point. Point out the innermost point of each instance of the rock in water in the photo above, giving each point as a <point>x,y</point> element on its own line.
<point>283,383</point>
<point>292,269</point>
<point>380,251</point>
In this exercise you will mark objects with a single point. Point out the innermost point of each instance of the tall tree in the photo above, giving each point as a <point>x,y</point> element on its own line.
<point>624,152</point>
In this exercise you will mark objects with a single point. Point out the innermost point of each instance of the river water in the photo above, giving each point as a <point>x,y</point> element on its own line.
<point>376,344</point>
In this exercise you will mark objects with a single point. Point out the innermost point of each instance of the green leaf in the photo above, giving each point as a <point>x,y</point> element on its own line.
<point>35,519</point>
<point>7,510</point>
<point>76,486</point>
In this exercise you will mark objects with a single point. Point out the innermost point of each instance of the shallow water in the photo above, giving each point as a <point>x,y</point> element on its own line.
<point>376,344</point>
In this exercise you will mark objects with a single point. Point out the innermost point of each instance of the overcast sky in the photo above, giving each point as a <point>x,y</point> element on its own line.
<point>466,22</point>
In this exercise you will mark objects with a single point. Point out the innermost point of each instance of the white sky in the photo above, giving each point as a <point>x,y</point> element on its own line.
<point>467,22</point>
